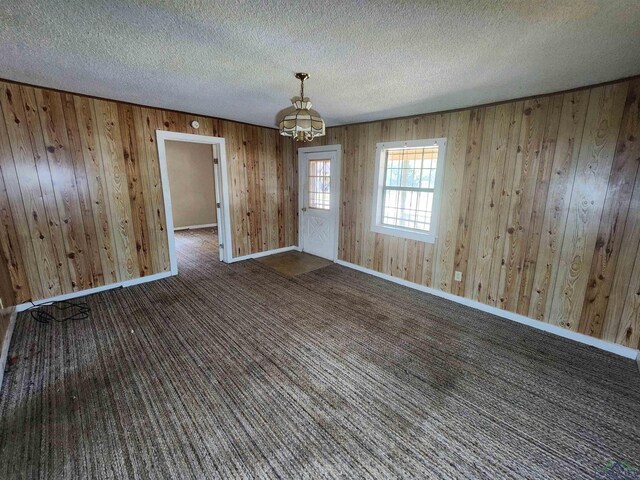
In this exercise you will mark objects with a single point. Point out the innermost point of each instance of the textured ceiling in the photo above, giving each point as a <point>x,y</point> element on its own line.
<point>367,60</point>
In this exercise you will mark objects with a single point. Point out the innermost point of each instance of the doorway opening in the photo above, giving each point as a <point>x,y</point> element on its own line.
<point>194,183</point>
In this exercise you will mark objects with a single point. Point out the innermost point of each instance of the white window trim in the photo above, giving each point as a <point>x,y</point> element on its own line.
<point>376,214</point>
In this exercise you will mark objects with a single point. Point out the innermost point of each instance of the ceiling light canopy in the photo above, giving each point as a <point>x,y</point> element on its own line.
<point>302,124</point>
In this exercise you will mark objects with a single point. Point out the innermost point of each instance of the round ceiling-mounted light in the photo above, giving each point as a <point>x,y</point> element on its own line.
<point>302,124</point>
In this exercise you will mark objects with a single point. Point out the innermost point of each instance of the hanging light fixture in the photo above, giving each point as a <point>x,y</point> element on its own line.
<point>302,124</point>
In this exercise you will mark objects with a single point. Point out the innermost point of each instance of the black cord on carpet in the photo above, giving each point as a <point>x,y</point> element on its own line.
<point>61,311</point>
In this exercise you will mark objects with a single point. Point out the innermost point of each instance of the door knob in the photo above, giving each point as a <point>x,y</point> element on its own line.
<point>304,209</point>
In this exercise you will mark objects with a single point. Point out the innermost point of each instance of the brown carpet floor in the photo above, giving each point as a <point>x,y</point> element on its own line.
<point>235,371</point>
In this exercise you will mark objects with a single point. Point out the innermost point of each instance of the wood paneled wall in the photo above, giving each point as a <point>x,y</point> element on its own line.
<point>540,211</point>
<point>7,295</point>
<point>81,201</point>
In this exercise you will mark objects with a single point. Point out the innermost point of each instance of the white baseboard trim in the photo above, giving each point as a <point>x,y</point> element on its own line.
<point>546,327</point>
<point>6,341</point>
<point>264,254</point>
<point>195,227</point>
<point>90,291</point>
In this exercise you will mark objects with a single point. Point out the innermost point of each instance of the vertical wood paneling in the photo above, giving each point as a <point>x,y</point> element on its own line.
<point>618,327</point>
<point>240,212</point>
<point>614,218</point>
<point>92,253</point>
<point>21,176</point>
<point>352,180</point>
<point>535,227</point>
<point>491,201</point>
<point>530,213</point>
<point>135,188</point>
<point>521,202</point>
<point>96,183</point>
<point>145,121</point>
<point>61,260</point>
<point>284,153</point>
<point>15,240</point>
<point>574,111</point>
<point>116,188</point>
<point>629,330</point>
<point>361,174</point>
<point>475,219</point>
<point>513,159</point>
<point>7,299</point>
<point>270,183</point>
<point>451,199</point>
<point>541,209</point>
<point>81,201</point>
<point>175,121</point>
<point>252,195</point>
<point>624,308</point>
<point>470,185</point>
<point>10,254</point>
<point>587,199</point>
<point>63,179</point>
<point>346,222</point>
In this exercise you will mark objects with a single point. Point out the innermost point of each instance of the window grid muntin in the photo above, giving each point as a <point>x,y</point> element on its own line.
<point>319,180</point>
<point>410,224</point>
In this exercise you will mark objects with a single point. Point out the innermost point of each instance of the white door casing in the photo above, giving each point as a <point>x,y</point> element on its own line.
<point>222,191</point>
<point>319,210</point>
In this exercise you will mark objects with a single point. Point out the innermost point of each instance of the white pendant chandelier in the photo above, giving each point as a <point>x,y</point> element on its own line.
<point>302,124</point>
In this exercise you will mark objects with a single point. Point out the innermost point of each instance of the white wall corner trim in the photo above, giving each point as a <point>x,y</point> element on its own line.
<point>265,253</point>
<point>6,341</point>
<point>561,332</point>
<point>90,291</point>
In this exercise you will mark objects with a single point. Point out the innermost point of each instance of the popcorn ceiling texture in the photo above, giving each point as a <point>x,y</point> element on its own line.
<point>367,60</point>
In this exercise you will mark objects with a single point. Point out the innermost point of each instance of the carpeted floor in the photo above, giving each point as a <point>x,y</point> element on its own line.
<point>235,371</point>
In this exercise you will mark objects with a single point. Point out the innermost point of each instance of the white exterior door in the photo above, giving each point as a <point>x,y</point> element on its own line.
<point>319,183</point>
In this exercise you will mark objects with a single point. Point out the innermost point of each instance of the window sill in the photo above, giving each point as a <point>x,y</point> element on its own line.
<point>404,233</point>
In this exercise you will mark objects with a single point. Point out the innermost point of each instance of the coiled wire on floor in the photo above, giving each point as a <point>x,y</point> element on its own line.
<point>61,311</point>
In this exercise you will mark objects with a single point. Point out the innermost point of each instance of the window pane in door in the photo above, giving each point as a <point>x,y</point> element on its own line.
<point>319,184</point>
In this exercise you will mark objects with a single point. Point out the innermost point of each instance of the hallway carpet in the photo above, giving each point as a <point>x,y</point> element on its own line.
<point>235,371</point>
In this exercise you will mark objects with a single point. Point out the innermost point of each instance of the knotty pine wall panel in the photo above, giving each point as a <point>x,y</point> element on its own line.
<point>540,210</point>
<point>81,201</point>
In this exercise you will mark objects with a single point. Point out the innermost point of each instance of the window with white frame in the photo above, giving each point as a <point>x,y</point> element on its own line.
<point>408,187</point>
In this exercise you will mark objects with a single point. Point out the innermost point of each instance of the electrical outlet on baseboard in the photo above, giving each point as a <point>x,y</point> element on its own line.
<point>457,276</point>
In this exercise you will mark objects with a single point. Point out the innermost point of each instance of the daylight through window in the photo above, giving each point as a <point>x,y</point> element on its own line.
<point>407,189</point>
<point>320,184</point>
<point>410,178</point>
